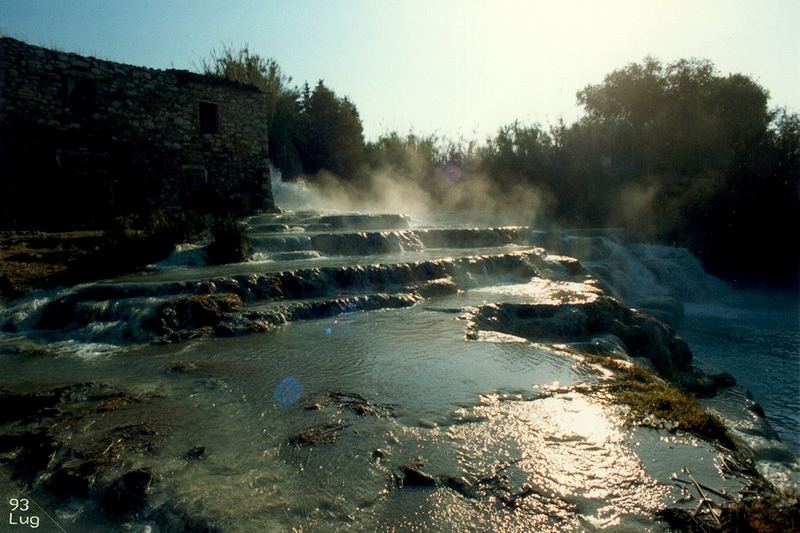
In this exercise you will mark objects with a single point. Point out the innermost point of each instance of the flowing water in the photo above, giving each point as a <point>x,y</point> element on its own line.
<point>330,385</point>
<point>753,334</point>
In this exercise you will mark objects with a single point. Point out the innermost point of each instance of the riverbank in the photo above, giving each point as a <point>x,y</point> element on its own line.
<point>365,370</point>
<point>32,260</point>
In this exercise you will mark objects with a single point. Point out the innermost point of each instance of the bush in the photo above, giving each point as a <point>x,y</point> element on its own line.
<point>230,243</point>
<point>168,229</point>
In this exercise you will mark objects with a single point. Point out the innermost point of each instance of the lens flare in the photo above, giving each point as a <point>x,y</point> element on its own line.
<point>287,392</point>
<point>452,172</point>
<point>330,329</point>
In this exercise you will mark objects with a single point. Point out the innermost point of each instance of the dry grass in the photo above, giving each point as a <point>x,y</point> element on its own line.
<point>32,259</point>
<point>647,396</point>
<point>772,513</point>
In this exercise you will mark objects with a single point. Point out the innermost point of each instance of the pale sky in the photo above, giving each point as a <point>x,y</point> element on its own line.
<point>447,67</point>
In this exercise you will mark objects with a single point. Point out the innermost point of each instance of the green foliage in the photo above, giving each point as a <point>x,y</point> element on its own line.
<point>408,160</point>
<point>283,134</point>
<point>520,154</point>
<point>675,153</point>
<point>329,134</point>
<point>413,157</point>
<point>230,243</point>
<point>683,154</point>
<point>175,227</point>
<point>244,66</point>
<point>309,131</point>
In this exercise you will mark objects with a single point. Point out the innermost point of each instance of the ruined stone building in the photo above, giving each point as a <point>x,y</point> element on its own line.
<point>83,139</point>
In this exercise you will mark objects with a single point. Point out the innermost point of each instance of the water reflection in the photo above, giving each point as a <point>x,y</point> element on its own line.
<point>565,461</point>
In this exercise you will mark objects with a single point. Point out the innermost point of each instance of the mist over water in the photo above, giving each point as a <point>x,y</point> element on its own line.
<point>447,198</point>
<point>753,334</point>
<point>331,381</point>
<point>296,195</point>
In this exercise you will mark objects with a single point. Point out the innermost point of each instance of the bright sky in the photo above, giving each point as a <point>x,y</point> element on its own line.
<point>453,68</point>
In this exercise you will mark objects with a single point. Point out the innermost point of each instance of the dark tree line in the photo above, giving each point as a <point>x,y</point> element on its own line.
<point>680,154</point>
<point>674,153</point>
<point>310,130</point>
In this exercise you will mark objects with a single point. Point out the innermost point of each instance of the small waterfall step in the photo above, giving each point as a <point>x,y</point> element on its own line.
<point>128,311</point>
<point>385,242</point>
<point>315,221</point>
<point>310,259</point>
<point>468,269</point>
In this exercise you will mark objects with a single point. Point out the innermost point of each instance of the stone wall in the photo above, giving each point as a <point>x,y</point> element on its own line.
<point>115,138</point>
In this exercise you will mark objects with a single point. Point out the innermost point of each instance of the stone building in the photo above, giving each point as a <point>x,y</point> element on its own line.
<point>84,139</point>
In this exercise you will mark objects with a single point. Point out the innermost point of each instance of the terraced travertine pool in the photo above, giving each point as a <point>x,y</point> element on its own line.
<point>351,376</point>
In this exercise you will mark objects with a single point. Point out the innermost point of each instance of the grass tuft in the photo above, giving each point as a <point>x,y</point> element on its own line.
<point>648,396</point>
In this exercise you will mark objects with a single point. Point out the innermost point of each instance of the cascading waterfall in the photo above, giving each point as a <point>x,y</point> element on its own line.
<point>364,369</point>
<point>297,195</point>
<point>754,334</point>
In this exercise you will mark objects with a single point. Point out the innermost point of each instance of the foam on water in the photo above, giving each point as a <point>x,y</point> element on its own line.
<point>504,427</point>
<point>755,335</point>
<point>185,255</point>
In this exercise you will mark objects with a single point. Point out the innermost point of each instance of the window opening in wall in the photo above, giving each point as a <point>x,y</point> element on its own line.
<point>81,95</point>
<point>195,176</point>
<point>209,118</point>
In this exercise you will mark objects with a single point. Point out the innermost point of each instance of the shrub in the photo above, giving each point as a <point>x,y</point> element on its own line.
<point>230,243</point>
<point>164,230</point>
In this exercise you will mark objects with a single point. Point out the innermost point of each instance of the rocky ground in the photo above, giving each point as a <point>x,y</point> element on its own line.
<point>102,444</point>
<point>31,260</point>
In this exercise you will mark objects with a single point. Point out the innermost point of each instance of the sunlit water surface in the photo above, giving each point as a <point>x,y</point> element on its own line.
<point>756,337</point>
<point>501,424</point>
<point>499,411</point>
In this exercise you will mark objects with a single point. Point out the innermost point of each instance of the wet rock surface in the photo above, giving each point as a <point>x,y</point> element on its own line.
<point>360,405</point>
<point>343,410</point>
<point>320,435</point>
<point>185,366</point>
<point>642,335</point>
<point>377,221</point>
<point>224,306</point>
<point>128,493</point>
<point>90,452</point>
<point>539,435</point>
<point>197,453</point>
<point>174,518</point>
<point>193,316</point>
<point>83,452</point>
<point>702,384</point>
<point>411,475</point>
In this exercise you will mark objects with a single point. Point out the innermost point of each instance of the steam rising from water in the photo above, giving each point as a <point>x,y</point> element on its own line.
<point>296,195</point>
<point>474,197</point>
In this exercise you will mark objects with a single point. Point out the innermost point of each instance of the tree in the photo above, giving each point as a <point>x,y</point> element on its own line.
<point>519,153</point>
<point>412,156</point>
<point>705,147</point>
<point>329,133</point>
<point>244,66</point>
